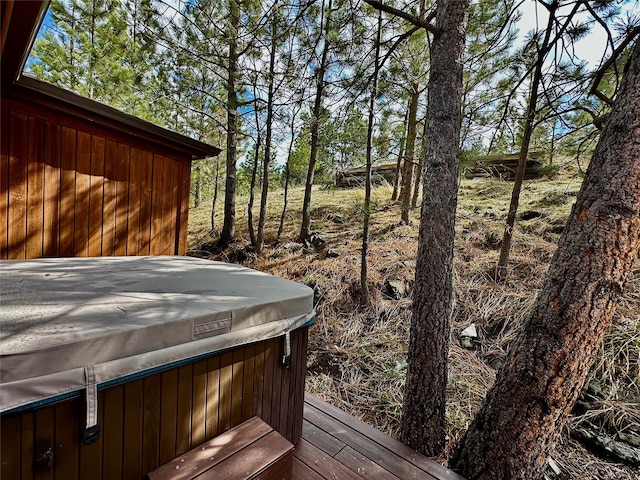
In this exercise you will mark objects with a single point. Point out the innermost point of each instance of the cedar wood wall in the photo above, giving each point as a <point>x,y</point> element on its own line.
<point>71,188</point>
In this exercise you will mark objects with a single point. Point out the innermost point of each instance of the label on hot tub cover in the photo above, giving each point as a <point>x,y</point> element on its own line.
<point>208,328</point>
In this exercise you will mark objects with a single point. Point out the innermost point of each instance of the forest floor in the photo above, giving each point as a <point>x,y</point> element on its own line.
<point>357,355</point>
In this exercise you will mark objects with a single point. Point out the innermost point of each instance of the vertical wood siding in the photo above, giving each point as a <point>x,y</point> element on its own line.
<point>4,183</point>
<point>73,189</point>
<point>149,421</point>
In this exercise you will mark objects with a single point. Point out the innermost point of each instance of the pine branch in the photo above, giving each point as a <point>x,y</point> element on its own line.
<point>606,65</point>
<point>417,21</point>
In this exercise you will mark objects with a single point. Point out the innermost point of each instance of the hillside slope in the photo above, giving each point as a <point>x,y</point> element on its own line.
<point>357,356</point>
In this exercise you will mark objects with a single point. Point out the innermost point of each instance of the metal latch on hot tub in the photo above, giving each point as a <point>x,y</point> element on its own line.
<point>44,460</point>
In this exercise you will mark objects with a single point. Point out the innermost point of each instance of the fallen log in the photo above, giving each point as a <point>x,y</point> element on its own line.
<point>594,438</point>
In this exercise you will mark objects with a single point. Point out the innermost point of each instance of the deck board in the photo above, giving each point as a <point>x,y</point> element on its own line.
<point>362,465</point>
<point>302,471</point>
<point>337,445</point>
<point>321,439</point>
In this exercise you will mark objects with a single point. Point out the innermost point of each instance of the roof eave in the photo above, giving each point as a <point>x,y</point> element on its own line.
<point>43,94</point>
<point>20,23</point>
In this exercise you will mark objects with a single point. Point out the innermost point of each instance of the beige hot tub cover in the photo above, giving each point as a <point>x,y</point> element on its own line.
<point>68,324</point>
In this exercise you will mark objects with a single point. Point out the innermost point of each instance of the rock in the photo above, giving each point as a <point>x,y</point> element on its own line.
<point>621,440</point>
<point>469,337</point>
<point>554,466</point>
<point>318,293</point>
<point>631,437</point>
<point>530,215</point>
<point>338,219</point>
<point>315,241</point>
<point>557,229</point>
<point>591,436</point>
<point>495,361</point>
<point>466,342</point>
<point>492,239</point>
<point>331,253</point>
<point>394,288</point>
<point>470,331</point>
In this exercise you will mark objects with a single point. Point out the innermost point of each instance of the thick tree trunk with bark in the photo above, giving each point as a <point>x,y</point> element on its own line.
<point>525,410</point>
<point>423,419</point>
<point>228,232</point>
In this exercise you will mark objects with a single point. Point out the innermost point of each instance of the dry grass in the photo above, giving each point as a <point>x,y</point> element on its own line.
<point>357,356</point>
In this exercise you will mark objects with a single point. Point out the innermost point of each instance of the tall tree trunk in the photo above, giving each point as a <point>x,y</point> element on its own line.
<point>423,418</point>
<point>267,143</point>
<point>228,232</point>
<point>285,201</point>
<point>73,84</point>
<point>409,157</point>
<point>525,410</point>
<point>396,183</point>
<point>92,58</point>
<point>552,147</point>
<point>215,196</point>
<point>305,228</point>
<point>287,177</point>
<point>416,185</point>
<point>197,193</point>
<point>252,187</point>
<point>529,125</point>
<point>365,296</point>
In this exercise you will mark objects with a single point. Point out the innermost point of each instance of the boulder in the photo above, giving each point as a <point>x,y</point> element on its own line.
<point>316,241</point>
<point>394,288</point>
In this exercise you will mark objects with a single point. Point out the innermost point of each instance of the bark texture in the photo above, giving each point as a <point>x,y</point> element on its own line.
<point>525,410</point>
<point>423,421</point>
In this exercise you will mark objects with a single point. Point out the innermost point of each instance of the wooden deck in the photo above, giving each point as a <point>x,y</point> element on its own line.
<point>337,446</point>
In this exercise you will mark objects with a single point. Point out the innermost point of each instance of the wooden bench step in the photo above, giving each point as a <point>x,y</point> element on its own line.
<point>250,451</point>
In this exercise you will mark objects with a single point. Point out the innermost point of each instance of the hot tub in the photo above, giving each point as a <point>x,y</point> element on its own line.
<point>112,366</point>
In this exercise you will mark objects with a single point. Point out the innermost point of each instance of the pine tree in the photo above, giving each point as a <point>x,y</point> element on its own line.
<point>423,416</point>
<point>84,50</point>
<point>491,36</point>
<point>320,81</point>
<point>365,296</point>
<point>555,85</point>
<point>525,410</point>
